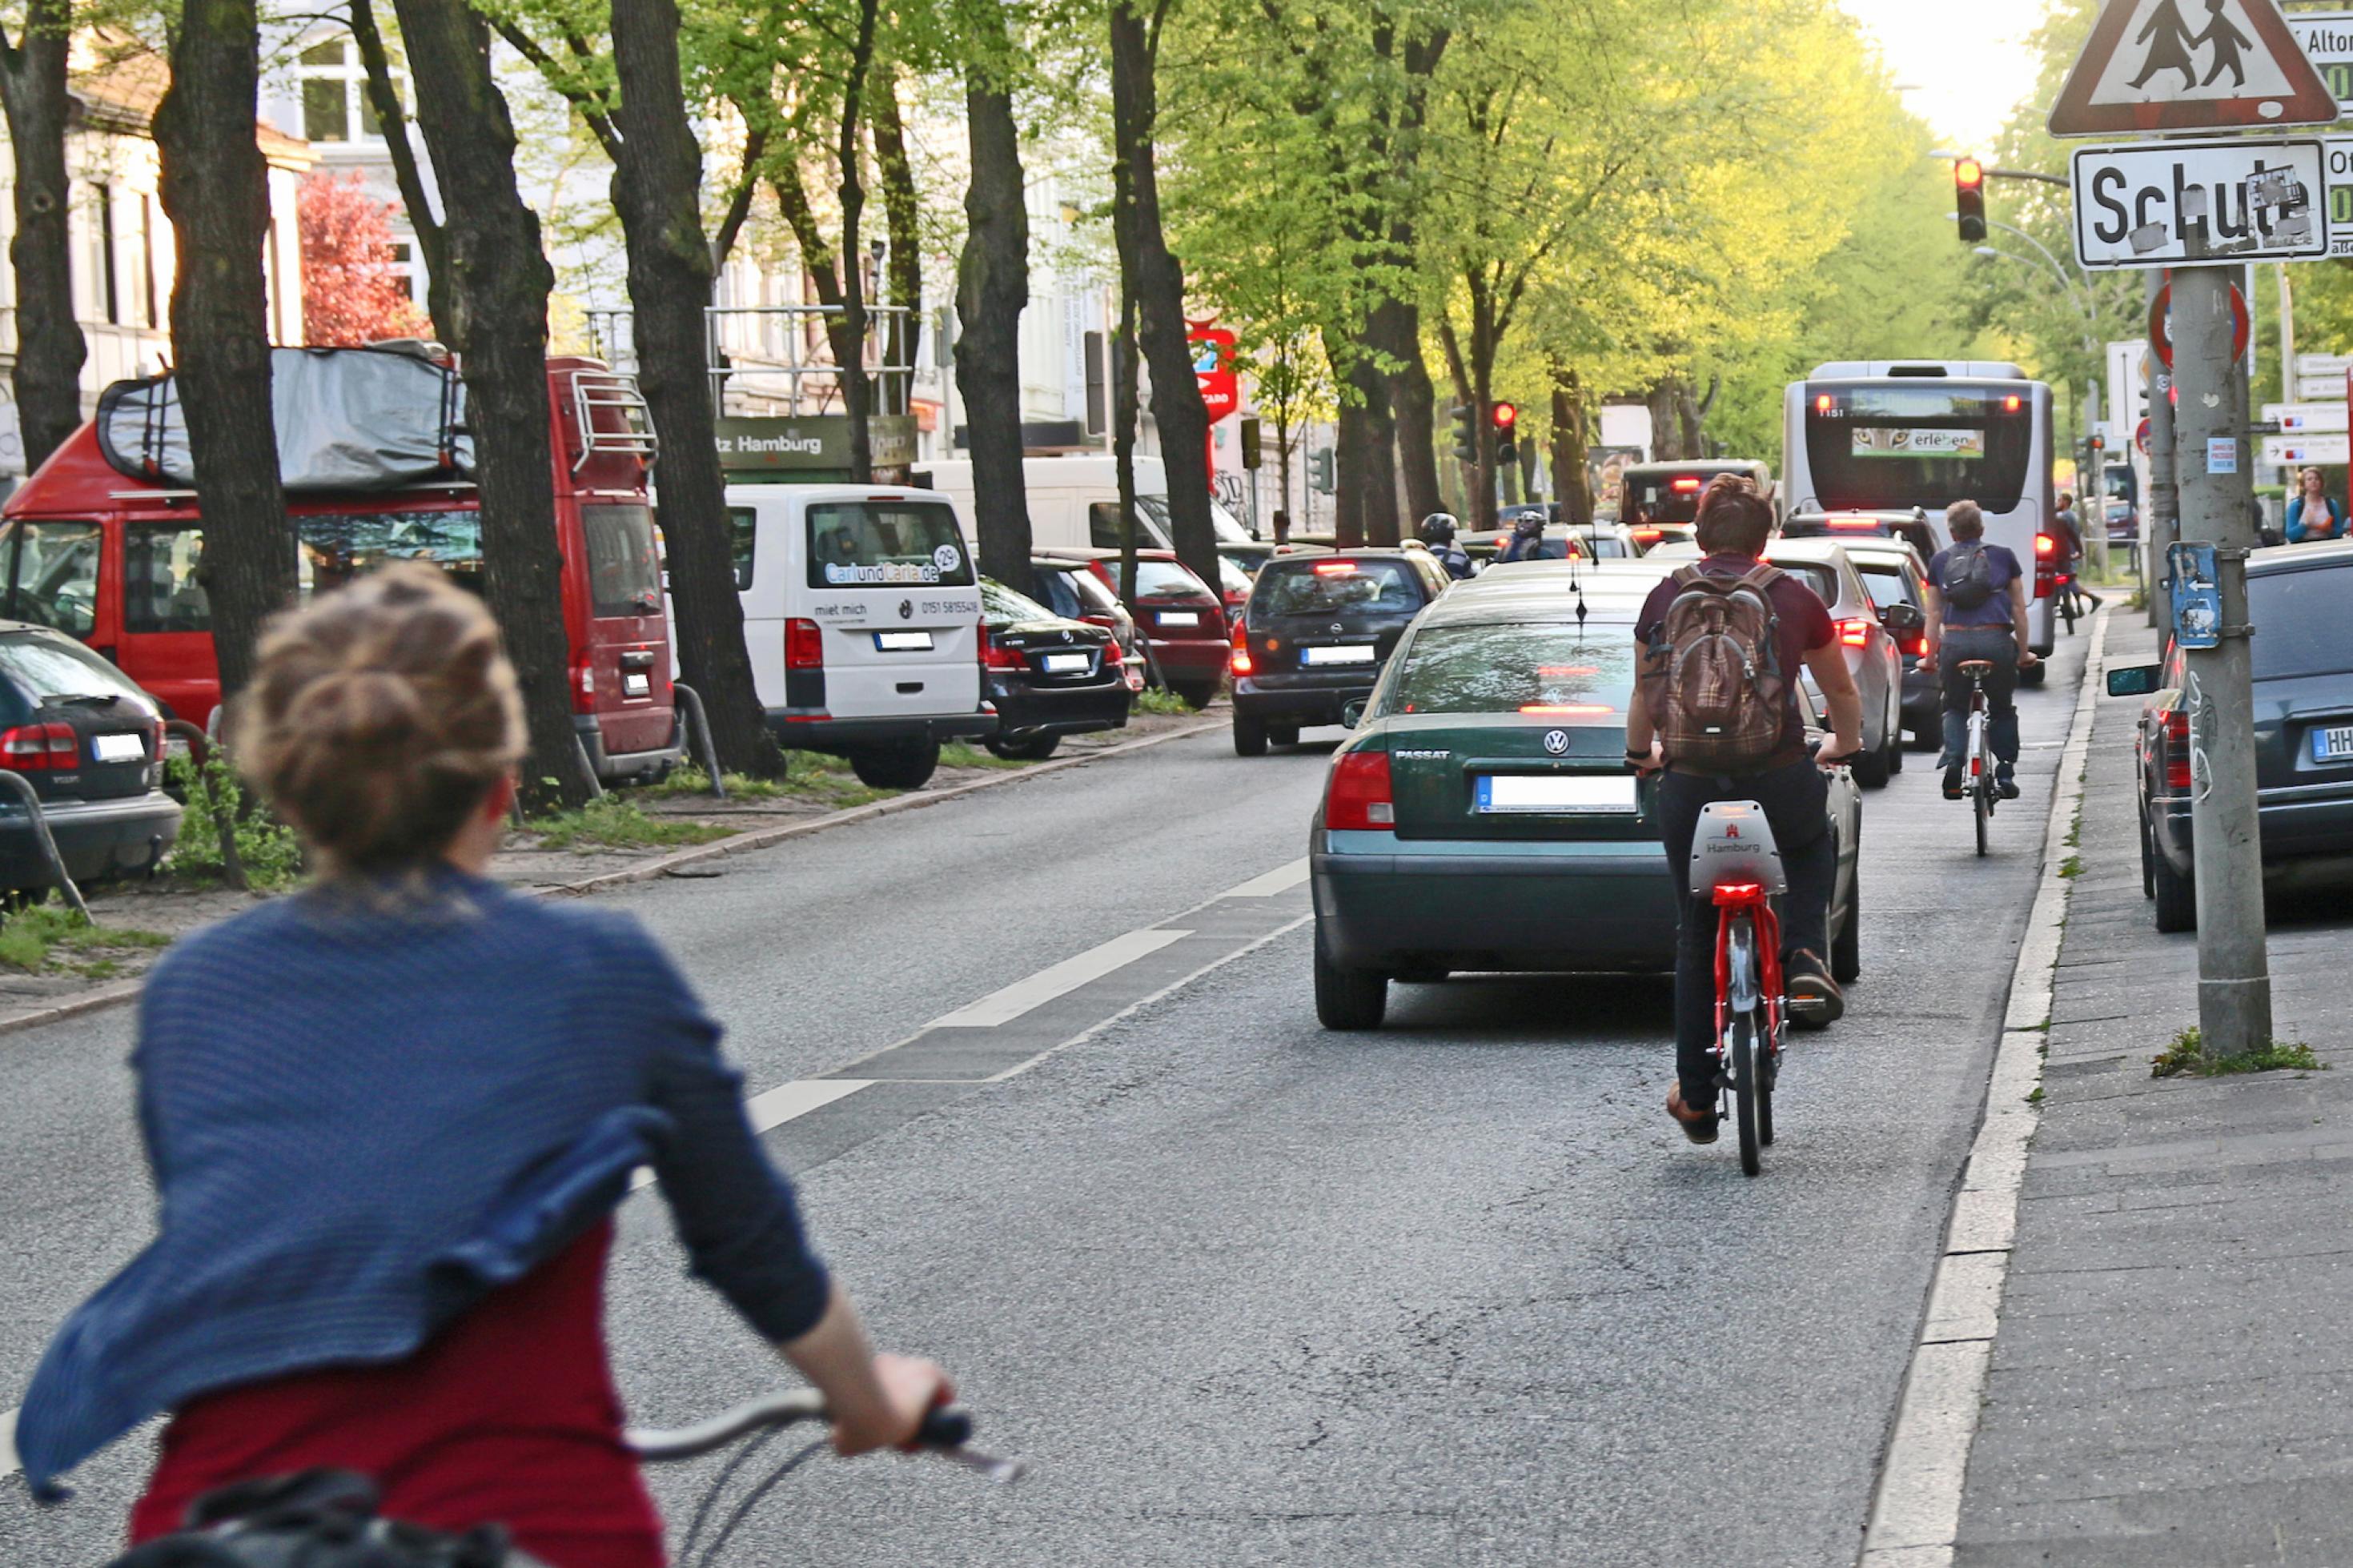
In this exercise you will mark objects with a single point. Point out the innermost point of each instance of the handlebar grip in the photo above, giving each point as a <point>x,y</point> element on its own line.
<point>945,1426</point>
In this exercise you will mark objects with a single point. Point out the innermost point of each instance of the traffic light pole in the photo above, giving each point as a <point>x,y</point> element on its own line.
<point>2213,472</point>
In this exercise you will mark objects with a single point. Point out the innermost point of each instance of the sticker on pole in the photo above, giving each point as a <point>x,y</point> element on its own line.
<point>2197,596</point>
<point>2164,204</point>
<point>2190,65</point>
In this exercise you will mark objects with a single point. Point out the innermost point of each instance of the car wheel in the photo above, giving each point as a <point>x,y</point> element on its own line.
<point>1349,999</point>
<point>1895,746</point>
<point>2176,895</point>
<point>2148,859</point>
<point>1871,768</point>
<point>1032,748</point>
<point>1283,735</point>
<point>1249,735</point>
<point>906,764</point>
<point>1846,947</point>
<point>1195,694</point>
<point>2034,676</point>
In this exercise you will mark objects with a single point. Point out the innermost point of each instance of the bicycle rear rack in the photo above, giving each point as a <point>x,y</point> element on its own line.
<point>612,416</point>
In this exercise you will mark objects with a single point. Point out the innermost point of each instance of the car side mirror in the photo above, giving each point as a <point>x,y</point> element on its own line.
<point>1352,712</point>
<point>2135,681</point>
<point>1903,618</point>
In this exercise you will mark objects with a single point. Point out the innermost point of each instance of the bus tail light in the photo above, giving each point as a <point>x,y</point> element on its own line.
<point>1358,797</point>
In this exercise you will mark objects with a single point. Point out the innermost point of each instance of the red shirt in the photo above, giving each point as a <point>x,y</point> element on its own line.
<point>1801,623</point>
<point>508,1416</point>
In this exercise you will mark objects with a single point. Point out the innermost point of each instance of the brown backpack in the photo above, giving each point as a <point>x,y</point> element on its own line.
<point>1712,676</point>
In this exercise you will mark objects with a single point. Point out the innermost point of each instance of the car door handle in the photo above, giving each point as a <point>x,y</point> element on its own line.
<point>909,687</point>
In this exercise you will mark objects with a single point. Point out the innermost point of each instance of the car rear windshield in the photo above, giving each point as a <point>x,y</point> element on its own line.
<point>51,666</point>
<point>1821,579</point>
<point>1525,666</point>
<point>1885,584</point>
<point>1001,607</point>
<point>1163,580</point>
<point>886,544</point>
<point>1668,497</point>
<point>624,573</point>
<point>2301,626</point>
<point>1324,587</point>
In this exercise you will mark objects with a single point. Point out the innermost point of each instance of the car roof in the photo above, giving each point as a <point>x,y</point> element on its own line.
<point>2300,557</point>
<point>1358,553</point>
<point>1879,549</point>
<point>1808,551</point>
<point>1076,555</point>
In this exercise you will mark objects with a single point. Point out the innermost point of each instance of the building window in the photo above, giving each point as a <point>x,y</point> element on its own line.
<point>147,256</point>
<point>335,104</point>
<point>404,267</point>
<point>110,288</point>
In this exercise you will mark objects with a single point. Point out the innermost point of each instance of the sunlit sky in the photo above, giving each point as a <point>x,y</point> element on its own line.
<point>1966,62</point>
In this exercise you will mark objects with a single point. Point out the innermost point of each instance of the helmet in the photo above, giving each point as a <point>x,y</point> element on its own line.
<point>1531,525</point>
<point>1438,527</point>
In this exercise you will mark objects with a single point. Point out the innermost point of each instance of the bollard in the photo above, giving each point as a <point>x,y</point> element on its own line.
<point>18,786</point>
<point>698,733</point>
<point>588,768</point>
<point>200,752</point>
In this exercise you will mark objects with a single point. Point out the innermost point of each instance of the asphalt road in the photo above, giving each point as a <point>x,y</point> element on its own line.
<point>1243,1291</point>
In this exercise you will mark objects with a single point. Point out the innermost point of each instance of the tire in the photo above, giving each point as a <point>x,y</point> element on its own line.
<point>1023,748</point>
<point>1871,768</point>
<point>1347,999</point>
<point>2176,896</point>
<point>1846,947</point>
<point>1982,807</point>
<point>2034,676</point>
<point>1748,1094</point>
<point>903,765</point>
<point>1767,1076</point>
<point>2148,859</point>
<point>1896,744</point>
<point>1196,695</point>
<point>1283,734</point>
<point>1249,735</point>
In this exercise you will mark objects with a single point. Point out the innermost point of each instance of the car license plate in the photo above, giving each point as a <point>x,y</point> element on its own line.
<point>2333,744</point>
<point>1068,663</point>
<point>902,642</point>
<point>1180,617</point>
<point>638,684</point>
<point>1358,653</point>
<point>118,749</point>
<point>1555,792</point>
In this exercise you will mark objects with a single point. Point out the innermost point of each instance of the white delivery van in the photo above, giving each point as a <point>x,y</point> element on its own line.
<point>1075,500</point>
<point>861,610</point>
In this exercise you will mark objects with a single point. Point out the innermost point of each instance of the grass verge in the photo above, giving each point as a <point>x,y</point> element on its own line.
<point>2072,866</point>
<point>956,755</point>
<point>2187,1058</point>
<point>50,937</point>
<point>267,848</point>
<point>1153,700</point>
<point>613,822</point>
<point>689,780</point>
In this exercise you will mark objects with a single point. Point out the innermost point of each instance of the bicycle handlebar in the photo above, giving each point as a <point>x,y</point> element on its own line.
<point>944,1431</point>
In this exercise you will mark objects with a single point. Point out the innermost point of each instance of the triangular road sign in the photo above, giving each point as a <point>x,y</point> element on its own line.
<point>2190,64</point>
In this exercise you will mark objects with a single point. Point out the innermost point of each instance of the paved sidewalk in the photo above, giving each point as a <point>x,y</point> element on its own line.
<point>2172,1379</point>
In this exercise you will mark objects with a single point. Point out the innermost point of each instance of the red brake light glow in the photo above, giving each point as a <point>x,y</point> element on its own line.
<point>1859,523</point>
<point>1358,798</point>
<point>1649,535</point>
<point>804,645</point>
<point>1238,661</point>
<point>2046,545</point>
<point>1568,710</point>
<point>1683,487</point>
<point>1334,568</point>
<point>1854,633</point>
<point>1822,404</point>
<point>2010,405</point>
<point>2176,750</point>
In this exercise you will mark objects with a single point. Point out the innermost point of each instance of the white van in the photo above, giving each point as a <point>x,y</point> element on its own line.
<point>1075,500</point>
<point>861,610</point>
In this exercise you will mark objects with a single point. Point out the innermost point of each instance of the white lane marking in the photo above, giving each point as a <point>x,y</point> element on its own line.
<point>1281,880</point>
<point>775,1107</point>
<point>7,1442</point>
<point>1004,1006</point>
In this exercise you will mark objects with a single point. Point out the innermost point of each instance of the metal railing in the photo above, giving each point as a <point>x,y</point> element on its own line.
<point>778,359</point>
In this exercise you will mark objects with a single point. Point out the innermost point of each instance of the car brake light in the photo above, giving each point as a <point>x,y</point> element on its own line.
<point>1358,796</point>
<point>1568,710</point>
<point>1854,633</point>
<point>2044,545</point>
<point>40,748</point>
<point>1649,535</point>
<point>1334,568</point>
<point>2176,749</point>
<point>1112,652</point>
<point>1860,523</point>
<point>804,645</point>
<point>995,656</point>
<point>1683,487</point>
<point>1238,661</point>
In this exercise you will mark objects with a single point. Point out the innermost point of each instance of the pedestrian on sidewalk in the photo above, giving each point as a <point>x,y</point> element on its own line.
<point>1977,610</point>
<point>389,1121</point>
<point>2313,513</point>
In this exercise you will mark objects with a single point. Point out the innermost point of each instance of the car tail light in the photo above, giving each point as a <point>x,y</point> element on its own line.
<point>1358,796</point>
<point>1113,654</point>
<point>2176,749</point>
<point>44,748</point>
<point>1238,661</point>
<point>1649,535</point>
<point>1854,633</point>
<point>995,656</point>
<point>804,645</point>
<point>1684,487</point>
<point>1858,524</point>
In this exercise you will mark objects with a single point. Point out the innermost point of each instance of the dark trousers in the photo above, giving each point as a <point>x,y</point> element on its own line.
<point>1795,799</point>
<point>1997,645</point>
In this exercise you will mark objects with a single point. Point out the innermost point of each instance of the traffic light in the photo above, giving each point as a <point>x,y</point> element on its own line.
<point>1250,442</point>
<point>1506,419</point>
<point>1319,470</point>
<point>1968,199</point>
<point>1466,441</point>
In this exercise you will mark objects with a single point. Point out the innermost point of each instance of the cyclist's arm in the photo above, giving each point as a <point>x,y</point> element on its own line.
<point>875,1401</point>
<point>1828,663</point>
<point>1932,633</point>
<point>2019,622</point>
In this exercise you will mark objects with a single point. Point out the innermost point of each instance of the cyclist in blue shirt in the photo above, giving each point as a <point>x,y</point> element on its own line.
<point>1977,609</point>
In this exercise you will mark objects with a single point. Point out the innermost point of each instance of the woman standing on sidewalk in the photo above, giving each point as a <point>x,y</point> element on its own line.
<point>2313,514</point>
<point>390,1120</point>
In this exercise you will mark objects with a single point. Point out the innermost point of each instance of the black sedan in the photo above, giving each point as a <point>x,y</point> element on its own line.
<point>1048,676</point>
<point>1313,633</point>
<point>90,743</point>
<point>2304,733</point>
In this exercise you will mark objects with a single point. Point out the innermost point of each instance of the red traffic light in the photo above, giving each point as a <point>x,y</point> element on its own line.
<point>1505,415</point>
<point>1969,174</point>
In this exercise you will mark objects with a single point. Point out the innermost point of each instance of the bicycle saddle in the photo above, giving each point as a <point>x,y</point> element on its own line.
<point>1977,666</point>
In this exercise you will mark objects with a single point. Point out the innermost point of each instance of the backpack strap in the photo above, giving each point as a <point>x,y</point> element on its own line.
<point>1762,576</point>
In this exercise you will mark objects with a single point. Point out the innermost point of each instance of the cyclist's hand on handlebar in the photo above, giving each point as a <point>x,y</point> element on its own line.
<point>1648,762</point>
<point>2028,659</point>
<point>910,1388</point>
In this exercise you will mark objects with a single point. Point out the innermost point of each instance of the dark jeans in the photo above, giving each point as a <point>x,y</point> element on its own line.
<point>1795,801</point>
<point>2000,645</point>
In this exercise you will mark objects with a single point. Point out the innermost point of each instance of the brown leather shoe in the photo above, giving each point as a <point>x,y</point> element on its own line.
<point>1699,1126</point>
<point>1815,1000</point>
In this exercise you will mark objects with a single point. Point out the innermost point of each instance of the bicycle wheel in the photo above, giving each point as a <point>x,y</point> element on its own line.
<point>1747,1092</point>
<point>1981,799</point>
<point>1769,1072</point>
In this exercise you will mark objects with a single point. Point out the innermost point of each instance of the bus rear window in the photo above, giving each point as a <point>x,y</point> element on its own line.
<point>1916,446</point>
<point>886,544</point>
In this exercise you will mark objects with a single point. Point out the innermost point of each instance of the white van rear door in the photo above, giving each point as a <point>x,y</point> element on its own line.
<point>759,519</point>
<point>890,583</point>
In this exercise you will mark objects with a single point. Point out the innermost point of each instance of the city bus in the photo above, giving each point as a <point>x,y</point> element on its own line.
<point>1880,435</point>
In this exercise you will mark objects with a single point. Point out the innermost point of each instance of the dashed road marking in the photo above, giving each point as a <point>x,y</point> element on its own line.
<point>1004,1006</point>
<point>1281,880</point>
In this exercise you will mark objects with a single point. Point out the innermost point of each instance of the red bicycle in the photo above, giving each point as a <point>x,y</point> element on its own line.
<point>1737,867</point>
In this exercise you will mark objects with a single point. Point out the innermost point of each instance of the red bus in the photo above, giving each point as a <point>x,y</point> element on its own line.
<point>103,544</point>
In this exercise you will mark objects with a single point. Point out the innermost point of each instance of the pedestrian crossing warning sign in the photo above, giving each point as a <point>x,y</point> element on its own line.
<point>2190,64</point>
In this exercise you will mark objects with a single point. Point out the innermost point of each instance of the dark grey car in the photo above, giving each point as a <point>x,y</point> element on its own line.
<point>89,742</point>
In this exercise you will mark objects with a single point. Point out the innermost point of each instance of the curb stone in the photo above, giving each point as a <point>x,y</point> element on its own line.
<point>124,991</point>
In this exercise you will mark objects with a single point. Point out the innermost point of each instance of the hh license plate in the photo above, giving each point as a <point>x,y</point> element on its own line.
<point>1507,793</point>
<point>1355,654</point>
<point>638,684</point>
<point>1179,619</point>
<point>2333,744</point>
<point>902,642</point>
<point>1068,663</point>
<point>118,749</point>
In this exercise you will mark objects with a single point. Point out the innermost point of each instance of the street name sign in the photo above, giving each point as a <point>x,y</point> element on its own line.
<point>2286,451</point>
<point>2327,39</point>
<point>2323,365</point>
<point>2180,65</point>
<point>2319,388</point>
<point>2166,204</point>
<point>2305,419</point>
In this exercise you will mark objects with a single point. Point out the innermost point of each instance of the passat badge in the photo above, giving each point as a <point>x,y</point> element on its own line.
<point>1556,742</point>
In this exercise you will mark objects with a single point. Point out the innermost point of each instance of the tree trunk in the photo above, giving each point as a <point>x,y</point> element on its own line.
<point>902,226</point>
<point>1415,403</point>
<point>992,289</point>
<point>657,186</point>
<point>1350,460</point>
<point>818,259</point>
<point>1377,455</point>
<point>1570,481</point>
<point>856,391</point>
<point>496,318</point>
<point>1668,424</point>
<point>216,188</point>
<point>1159,288</point>
<point>50,350</point>
<point>1126,411</point>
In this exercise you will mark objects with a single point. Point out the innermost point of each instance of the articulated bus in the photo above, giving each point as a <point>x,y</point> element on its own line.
<point>1878,435</point>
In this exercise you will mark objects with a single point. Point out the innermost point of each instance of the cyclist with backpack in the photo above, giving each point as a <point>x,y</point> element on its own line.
<point>1720,646</point>
<point>1977,610</point>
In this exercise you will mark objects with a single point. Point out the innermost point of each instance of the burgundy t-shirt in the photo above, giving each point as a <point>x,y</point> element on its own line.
<point>1801,623</point>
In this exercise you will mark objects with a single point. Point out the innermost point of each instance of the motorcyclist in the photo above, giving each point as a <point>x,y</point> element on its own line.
<point>1437,532</point>
<point>1527,543</point>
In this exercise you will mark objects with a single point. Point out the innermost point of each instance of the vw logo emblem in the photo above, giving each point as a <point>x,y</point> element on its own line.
<point>906,609</point>
<point>1337,628</point>
<point>1066,637</point>
<point>1556,742</point>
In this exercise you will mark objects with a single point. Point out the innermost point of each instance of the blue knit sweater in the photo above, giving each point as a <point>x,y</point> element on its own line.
<point>364,1113</point>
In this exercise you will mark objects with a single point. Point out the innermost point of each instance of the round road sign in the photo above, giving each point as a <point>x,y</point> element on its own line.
<point>2160,335</point>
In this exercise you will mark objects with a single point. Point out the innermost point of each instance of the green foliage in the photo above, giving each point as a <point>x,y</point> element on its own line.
<point>956,755</point>
<point>32,940</point>
<point>611,822</point>
<point>2187,1057</point>
<point>2072,867</point>
<point>1167,704</point>
<point>270,851</point>
<point>687,781</point>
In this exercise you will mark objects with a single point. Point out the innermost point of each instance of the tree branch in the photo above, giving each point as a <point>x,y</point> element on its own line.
<point>592,108</point>
<point>739,200</point>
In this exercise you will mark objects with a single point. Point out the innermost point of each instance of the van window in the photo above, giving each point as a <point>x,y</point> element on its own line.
<point>884,544</point>
<point>623,576</point>
<point>163,573</point>
<point>743,532</point>
<point>1223,524</point>
<point>53,575</point>
<point>340,546</point>
<point>1151,525</point>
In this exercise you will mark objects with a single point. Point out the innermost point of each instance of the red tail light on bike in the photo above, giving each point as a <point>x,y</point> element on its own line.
<point>2176,753</point>
<point>804,645</point>
<point>1736,893</point>
<point>1358,797</point>
<point>1854,633</point>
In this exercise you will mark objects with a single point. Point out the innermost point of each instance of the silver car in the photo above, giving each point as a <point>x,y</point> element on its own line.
<point>1870,646</point>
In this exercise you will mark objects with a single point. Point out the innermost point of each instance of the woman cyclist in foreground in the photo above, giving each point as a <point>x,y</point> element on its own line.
<point>390,1120</point>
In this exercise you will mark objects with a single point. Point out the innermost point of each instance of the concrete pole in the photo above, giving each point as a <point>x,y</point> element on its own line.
<point>2235,987</point>
<point>2159,507</point>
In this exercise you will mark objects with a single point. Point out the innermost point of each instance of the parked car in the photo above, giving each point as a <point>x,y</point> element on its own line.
<point>1070,589</point>
<point>1892,574</point>
<point>1869,646</point>
<point>91,743</point>
<point>1913,525</point>
<point>2304,733</point>
<point>2123,521</point>
<point>1047,675</point>
<point>1314,635</point>
<point>1483,815</point>
<point>1183,622</point>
